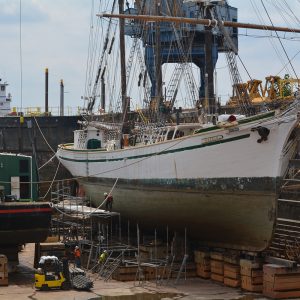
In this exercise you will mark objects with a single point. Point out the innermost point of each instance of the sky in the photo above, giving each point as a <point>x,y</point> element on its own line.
<point>55,35</point>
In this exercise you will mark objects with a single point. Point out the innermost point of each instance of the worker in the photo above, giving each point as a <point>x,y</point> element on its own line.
<point>102,257</point>
<point>77,257</point>
<point>108,201</point>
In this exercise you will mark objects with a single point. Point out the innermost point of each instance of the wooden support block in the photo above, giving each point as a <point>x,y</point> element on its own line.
<point>217,267</point>
<point>217,277</point>
<point>268,291</point>
<point>216,256</point>
<point>232,275</point>
<point>201,256</point>
<point>124,277</point>
<point>3,275</point>
<point>232,258</point>
<point>250,268</point>
<point>204,264</point>
<point>257,273</point>
<point>248,284</point>
<point>278,269</point>
<point>3,263</point>
<point>250,264</point>
<point>283,282</point>
<point>203,267</point>
<point>203,274</point>
<point>252,280</point>
<point>232,282</point>
<point>232,268</point>
<point>127,270</point>
<point>232,271</point>
<point>4,281</point>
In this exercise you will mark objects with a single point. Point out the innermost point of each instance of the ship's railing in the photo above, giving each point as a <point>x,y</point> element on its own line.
<point>40,111</point>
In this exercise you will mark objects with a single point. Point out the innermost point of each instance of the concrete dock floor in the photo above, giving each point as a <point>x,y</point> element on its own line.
<point>21,287</point>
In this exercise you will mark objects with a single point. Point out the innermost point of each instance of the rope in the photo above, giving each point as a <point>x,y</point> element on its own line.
<point>47,162</point>
<point>52,181</point>
<point>288,58</point>
<point>43,135</point>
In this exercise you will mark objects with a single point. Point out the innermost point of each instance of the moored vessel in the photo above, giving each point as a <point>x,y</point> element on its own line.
<point>218,176</point>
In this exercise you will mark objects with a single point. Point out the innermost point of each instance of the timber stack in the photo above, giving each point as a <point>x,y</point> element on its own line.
<point>252,274</point>
<point>281,282</point>
<point>3,270</point>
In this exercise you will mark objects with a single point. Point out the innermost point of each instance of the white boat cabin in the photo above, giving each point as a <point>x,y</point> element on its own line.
<point>106,136</point>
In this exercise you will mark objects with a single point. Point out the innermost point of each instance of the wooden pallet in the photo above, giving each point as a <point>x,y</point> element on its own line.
<point>216,256</point>
<point>281,282</point>
<point>201,256</point>
<point>217,277</point>
<point>232,275</point>
<point>251,275</point>
<point>202,260</point>
<point>125,273</point>
<point>217,267</point>
<point>232,282</point>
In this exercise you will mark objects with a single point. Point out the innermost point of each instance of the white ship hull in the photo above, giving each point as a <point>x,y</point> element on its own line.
<point>220,184</point>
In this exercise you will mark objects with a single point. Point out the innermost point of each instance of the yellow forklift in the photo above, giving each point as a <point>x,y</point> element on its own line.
<point>53,273</point>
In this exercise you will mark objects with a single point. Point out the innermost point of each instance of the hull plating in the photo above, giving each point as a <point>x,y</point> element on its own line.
<point>24,222</point>
<point>234,217</point>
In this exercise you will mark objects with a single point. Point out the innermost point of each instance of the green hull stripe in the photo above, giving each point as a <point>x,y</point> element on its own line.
<point>243,121</point>
<point>162,152</point>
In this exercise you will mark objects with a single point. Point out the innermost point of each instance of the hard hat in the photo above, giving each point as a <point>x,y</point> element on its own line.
<point>104,251</point>
<point>105,194</point>
<point>76,247</point>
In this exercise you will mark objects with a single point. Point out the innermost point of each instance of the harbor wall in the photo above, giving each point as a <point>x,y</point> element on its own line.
<point>34,136</point>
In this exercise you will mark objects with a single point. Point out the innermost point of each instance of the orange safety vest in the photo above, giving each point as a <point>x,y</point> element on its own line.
<point>77,253</point>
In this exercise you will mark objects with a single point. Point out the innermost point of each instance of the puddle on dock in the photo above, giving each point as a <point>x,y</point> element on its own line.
<point>250,297</point>
<point>141,296</point>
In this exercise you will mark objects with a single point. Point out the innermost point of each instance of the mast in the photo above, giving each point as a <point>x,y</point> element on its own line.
<point>158,89</point>
<point>209,69</point>
<point>205,22</point>
<point>103,89</point>
<point>46,90</point>
<point>62,100</point>
<point>125,106</point>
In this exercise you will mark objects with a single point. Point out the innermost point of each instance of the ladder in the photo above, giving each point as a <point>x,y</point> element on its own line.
<point>181,69</point>
<point>110,266</point>
<point>170,269</point>
<point>286,237</point>
<point>231,53</point>
<point>142,116</point>
<point>182,266</point>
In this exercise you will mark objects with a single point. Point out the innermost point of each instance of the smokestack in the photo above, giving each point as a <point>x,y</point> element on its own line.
<point>46,90</point>
<point>61,109</point>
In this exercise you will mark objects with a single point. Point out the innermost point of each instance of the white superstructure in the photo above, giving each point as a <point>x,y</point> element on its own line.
<point>5,99</point>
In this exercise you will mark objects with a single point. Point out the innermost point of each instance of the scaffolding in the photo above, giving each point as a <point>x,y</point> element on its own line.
<point>286,239</point>
<point>95,230</point>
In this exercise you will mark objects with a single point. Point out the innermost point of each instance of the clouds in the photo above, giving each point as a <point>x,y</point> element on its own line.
<point>32,12</point>
<point>54,35</point>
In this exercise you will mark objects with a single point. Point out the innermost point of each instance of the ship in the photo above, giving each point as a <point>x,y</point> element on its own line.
<point>23,219</point>
<point>5,99</point>
<point>217,175</point>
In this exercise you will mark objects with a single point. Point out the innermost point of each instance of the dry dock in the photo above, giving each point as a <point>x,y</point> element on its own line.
<point>21,287</point>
